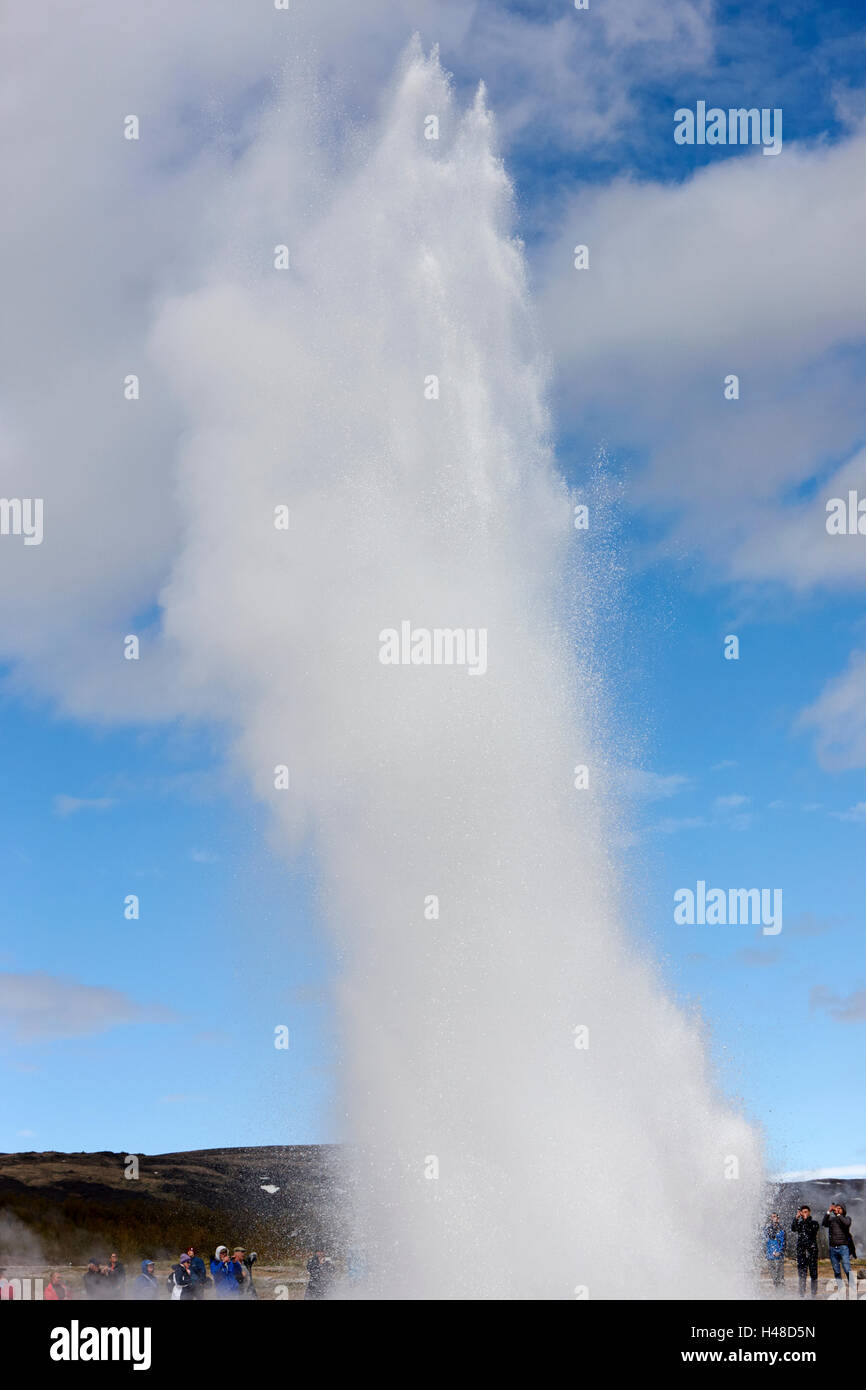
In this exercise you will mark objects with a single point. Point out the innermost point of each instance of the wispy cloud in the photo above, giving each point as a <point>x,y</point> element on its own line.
<point>755,955</point>
<point>838,719</point>
<point>39,1006</point>
<point>212,1037</point>
<point>670,825</point>
<point>652,786</point>
<point>807,924</point>
<point>845,1008</point>
<point>71,805</point>
<point>855,813</point>
<point>821,1174</point>
<point>308,994</point>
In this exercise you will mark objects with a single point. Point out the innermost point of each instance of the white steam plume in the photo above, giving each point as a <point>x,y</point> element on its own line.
<point>558,1167</point>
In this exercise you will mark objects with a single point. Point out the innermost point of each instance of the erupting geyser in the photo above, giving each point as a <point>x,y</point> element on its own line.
<point>467,882</point>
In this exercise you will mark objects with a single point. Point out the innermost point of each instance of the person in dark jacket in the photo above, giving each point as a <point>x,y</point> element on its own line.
<point>115,1276</point>
<point>807,1229</point>
<point>776,1240</point>
<point>239,1268</point>
<point>95,1282</point>
<point>197,1272</point>
<point>145,1285</point>
<point>180,1280</point>
<point>838,1225</point>
<point>321,1272</point>
<point>249,1286</point>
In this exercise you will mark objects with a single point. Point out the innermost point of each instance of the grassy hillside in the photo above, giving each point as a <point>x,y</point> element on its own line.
<point>66,1207</point>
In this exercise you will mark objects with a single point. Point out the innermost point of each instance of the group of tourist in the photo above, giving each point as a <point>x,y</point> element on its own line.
<point>842,1251</point>
<point>228,1276</point>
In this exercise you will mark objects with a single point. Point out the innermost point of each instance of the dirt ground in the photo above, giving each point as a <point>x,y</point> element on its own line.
<point>827,1289</point>
<point>279,1282</point>
<point>285,1282</point>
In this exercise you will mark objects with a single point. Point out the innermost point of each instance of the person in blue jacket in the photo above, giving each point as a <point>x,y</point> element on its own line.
<point>224,1276</point>
<point>197,1272</point>
<point>775,1238</point>
<point>145,1286</point>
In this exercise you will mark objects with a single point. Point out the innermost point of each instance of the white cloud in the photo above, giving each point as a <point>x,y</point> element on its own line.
<point>39,1006</point>
<point>792,545</point>
<point>653,324</point>
<point>571,77</point>
<point>845,1008</point>
<point>652,786</point>
<point>757,956</point>
<point>645,337</point>
<point>140,220</point>
<point>70,805</point>
<point>658,298</point>
<point>807,924</point>
<point>681,28</point>
<point>729,803</point>
<point>856,813</point>
<point>754,267</point>
<point>821,1174</point>
<point>838,718</point>
<point>137,221</point>
<point>670,825</point>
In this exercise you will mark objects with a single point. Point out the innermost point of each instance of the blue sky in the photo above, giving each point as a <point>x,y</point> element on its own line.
<point>228,944</point>
<point>225,947</point>
<point>753,809</point>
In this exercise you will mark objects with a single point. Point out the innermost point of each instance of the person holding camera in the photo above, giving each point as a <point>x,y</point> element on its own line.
<point>96,1280</point>
<point>838,1225</point>
<point>807,1229</point>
